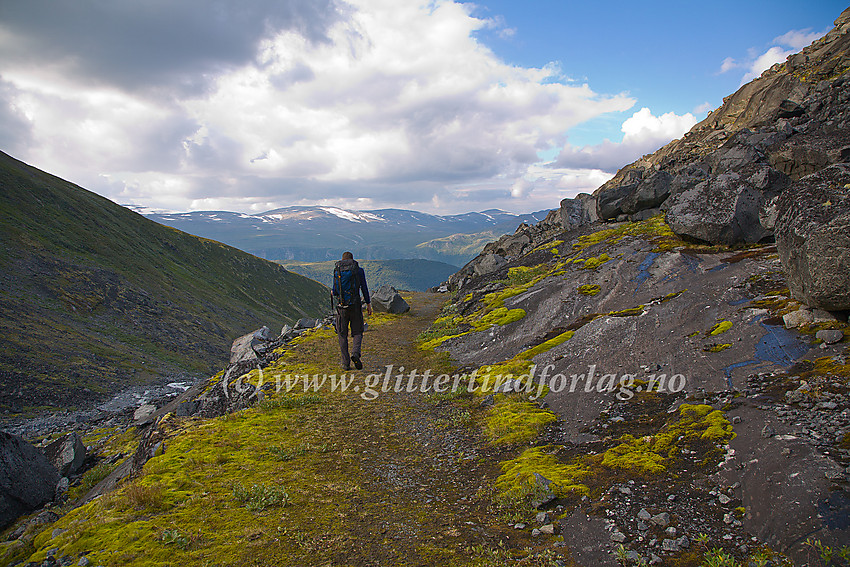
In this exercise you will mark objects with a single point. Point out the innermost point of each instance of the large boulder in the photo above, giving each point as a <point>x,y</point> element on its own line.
<point>813,238</point>
<point>247,347</point>
<point>610,196</point>
<point>27,479</point>
<point>725,209</point>
<point>66,453</point>
<point>577,212</point>
<point>651,192</point>
<point>488,263</point>
<point>386,299</point>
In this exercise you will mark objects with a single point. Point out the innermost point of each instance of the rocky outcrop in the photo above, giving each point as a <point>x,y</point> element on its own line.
<point>248,347</point>
<point>720,182</point>
<point>576,212</point>
<point>67,453</point>
<point>813,238</point>
<point>386,299</point>
<point>571,215</point>
<point>27,479</point>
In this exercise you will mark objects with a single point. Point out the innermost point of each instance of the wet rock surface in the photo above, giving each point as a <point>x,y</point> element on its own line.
<point>714,317</point>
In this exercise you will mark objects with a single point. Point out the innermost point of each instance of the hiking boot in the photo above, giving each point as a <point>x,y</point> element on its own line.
<point>358,364</point>
<point>347,367</point>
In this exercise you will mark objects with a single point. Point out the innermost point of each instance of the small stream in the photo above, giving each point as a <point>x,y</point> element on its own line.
<point>125,401</point>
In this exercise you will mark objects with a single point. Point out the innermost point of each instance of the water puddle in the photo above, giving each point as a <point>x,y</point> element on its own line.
<point>643,269</point>
<point>778,346</point>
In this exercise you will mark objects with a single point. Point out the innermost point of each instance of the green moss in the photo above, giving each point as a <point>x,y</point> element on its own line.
<point>654,229</point>
<point>511,421</point>
<point>595,262</point>
<point>499,316</point>
<point>547,345</point>
<point>673,295</point>
<point>519,483</point>
<point>635,455</point>
<point>653,454</point>
<point>716,347</point>
<point>719,328</point>
<point>827,365</point>
<point>434,343</point>
<point>631,312</point>
<point>521,275</point>
<point>440,330</point>
<point>589,289</point>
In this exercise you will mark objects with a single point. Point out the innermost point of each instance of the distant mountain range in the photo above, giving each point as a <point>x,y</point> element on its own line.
<point>412,275</point>
<point>94,297</point>
<point>316,234</point>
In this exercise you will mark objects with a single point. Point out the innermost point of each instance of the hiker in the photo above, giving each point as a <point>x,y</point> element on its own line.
<point>349,281</point>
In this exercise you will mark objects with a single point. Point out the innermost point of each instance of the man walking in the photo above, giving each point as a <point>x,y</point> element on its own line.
<point>349,282</point>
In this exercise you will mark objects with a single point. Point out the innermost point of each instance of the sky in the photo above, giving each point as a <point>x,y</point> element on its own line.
<point>438,106</point>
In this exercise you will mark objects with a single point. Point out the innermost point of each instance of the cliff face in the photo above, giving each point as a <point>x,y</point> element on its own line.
<point>720,182</point>
<point>738,177</point>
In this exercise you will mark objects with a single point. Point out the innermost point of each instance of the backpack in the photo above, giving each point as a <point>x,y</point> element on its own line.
<point>347,282</point>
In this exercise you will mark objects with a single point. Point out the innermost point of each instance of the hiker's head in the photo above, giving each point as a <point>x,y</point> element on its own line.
<point>347,256</point>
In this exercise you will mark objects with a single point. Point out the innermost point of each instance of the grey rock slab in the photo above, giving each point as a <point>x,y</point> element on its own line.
<point>67,453</point>
<point>830,336</point>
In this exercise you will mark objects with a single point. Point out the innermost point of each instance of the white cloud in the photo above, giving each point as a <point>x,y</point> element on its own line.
<point>386,102</point>
<point>703,108</point>
<point>728,64</point>
<point>798,39</point>
<point>643,133</point>
<point>765,61</point>
<point>783,46</point>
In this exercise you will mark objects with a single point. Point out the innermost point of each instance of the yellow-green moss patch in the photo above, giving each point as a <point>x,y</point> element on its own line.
<point>518,481</point>
<point>499,316</point>
<point>719,328</point>
<point>630,312</point>
<point>512,421</point>
<point>652,454</point>
<point>595,262</point>
<point>589,289</point>
<point>547,345</point>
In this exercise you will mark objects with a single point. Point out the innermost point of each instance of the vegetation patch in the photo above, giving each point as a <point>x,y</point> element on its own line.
<point>589,289</point>
<point>499,316</point>
<point>719,328</point>
<point>259,496</point>
<point>630,312</point>
<point>519,481</point>
<point>514,422</point>
<point>594,262</point>
<point>654,229</point>
<point>715,347</point>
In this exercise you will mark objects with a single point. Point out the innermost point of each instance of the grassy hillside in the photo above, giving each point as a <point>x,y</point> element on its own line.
<point>458,248</point>
<point>94,296</point>
<point>413,275</point>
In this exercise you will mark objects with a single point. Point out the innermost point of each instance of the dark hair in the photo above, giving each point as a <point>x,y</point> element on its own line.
<point>347,256</point>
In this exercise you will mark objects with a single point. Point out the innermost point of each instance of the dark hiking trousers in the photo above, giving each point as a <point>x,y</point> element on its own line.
<point>349,317</point>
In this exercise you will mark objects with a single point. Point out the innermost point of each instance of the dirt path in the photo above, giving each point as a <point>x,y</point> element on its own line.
<point>426,468</point>
<point>314,478</point>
